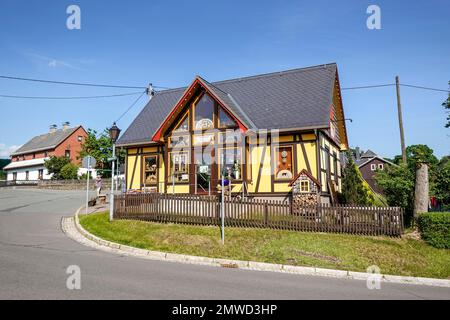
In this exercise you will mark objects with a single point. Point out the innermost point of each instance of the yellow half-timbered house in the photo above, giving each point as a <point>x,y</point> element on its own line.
<point>259,132</point>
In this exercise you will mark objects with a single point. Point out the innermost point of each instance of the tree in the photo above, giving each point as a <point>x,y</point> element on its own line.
<point>397,183</point>
<point>421,153</point>
<point>354,189</point>
<point>54,166</point>
<point>446,105</point>
<point>69,171</point>
<point>442,181</point>
<point>100,147</point>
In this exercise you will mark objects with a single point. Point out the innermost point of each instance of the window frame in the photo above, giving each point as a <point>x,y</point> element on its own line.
<point>144,171</point>
<point>170,165</point>
<point>308,184</point>
<point>219,162</point>
<point>373,167</point>
<point>193,108</point>
<point>380,166</point>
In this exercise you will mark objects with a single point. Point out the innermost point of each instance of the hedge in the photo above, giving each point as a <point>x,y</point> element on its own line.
<point>435,229</point>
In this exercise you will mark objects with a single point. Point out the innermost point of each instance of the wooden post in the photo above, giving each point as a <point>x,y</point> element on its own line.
<point>400,119</point>
<point>421,190</point>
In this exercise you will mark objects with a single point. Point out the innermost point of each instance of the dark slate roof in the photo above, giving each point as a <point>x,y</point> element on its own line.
<point>293,99</point>
<point>45,141</point>
<point>368,154</point>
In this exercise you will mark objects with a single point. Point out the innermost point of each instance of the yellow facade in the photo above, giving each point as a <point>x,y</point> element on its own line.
<point>259,163</point>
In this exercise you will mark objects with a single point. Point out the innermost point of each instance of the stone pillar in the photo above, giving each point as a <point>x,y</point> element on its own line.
<point>421,197</point>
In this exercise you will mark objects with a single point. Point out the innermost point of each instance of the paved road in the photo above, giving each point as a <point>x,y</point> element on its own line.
<point>34,256</point>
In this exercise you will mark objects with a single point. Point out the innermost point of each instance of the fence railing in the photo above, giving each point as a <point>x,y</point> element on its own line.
<point>258,213</point>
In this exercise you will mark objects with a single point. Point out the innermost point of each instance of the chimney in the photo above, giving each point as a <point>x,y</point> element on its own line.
<point>357,154</point>
<point>53,128</point>
<point>66,125</point>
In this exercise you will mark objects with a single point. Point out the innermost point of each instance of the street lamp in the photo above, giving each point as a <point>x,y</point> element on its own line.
<point>114,133</point>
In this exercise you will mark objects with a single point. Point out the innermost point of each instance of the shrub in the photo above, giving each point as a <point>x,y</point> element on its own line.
<point>435,229</point>
<point>69,171</point>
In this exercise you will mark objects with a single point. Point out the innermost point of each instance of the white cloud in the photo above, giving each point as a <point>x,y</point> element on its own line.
<point>56,63</point>
<point>5,150</point>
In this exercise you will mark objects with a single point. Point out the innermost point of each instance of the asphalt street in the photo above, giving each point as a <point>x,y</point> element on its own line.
<point>35,254</point>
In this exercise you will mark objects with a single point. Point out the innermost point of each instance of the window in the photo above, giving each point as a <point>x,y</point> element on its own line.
<point>179,141</point>
<point>373,167</point>
<point>380,166</point>
<point>225,121</point>
<point>183,125</point>
<point>231,160</point>
<point>230,137</point>
<point>179,167</point>
<point>204,110</point>
<point>14,176</point>
<point>80,138</point>
<point>304,186</point>
<point>67,154</point>
<point>150,170</point>
<point>27,175</point>
<point>34,155</point>
<point>283,163</point>
<point>45,154</point>
<point>41,174</point>
<point>203,139</point>
<point>335,167</point>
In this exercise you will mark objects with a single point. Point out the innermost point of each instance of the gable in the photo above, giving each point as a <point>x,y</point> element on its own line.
<point>196,94</point>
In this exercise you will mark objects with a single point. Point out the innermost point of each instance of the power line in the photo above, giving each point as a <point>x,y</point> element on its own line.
<point>393,84</point>
<point>76,83</point>
<point>369,87</point>
<point>131,106</point>
<point>69,98</point>
<point>424,88</point>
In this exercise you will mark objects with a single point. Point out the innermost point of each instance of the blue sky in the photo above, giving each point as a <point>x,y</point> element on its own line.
<point>169,42</point>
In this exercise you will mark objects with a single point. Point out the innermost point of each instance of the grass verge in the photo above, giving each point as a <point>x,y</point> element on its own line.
<point>396,256</point>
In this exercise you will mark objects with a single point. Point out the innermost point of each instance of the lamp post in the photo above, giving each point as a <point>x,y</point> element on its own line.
<point>114,133</point>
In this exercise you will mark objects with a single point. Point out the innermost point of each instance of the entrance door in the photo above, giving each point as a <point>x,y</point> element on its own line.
<point>203,163</point>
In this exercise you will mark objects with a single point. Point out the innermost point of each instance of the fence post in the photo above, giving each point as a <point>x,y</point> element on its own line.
<point>266,213</point>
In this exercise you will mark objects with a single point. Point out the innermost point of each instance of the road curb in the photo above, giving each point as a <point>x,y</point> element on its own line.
<point>245,265</point>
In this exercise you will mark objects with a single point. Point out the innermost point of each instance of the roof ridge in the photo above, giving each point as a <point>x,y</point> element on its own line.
<point>257,76</point>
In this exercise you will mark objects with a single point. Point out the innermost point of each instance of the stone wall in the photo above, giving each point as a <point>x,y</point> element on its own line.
<point>71,184</point>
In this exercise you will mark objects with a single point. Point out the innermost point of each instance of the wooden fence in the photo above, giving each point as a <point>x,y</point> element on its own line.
<point>273,214</point>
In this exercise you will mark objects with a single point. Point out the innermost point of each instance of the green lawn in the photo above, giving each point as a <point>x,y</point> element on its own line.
<point>406,256</point>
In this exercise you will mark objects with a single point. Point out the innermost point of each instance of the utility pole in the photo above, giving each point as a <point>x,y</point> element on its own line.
<point>400,119</point>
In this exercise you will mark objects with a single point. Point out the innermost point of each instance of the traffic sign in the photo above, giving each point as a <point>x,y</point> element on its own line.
<point>89,162</point>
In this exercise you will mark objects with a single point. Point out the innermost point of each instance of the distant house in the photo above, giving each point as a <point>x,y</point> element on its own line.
<point>27,163</point>
<point>368,163</point>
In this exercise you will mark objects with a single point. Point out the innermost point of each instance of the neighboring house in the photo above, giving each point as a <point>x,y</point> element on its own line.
<point>263,130</point>
<point>368,163</point>
<point>27,163</point>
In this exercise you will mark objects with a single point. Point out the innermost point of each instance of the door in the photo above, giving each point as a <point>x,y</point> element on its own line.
<point>203,168</point>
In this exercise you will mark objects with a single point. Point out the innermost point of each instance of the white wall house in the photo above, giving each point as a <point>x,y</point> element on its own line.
<point>28,170</point>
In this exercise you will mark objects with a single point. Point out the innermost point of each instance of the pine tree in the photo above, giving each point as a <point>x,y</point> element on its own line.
<point>354,190</point>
